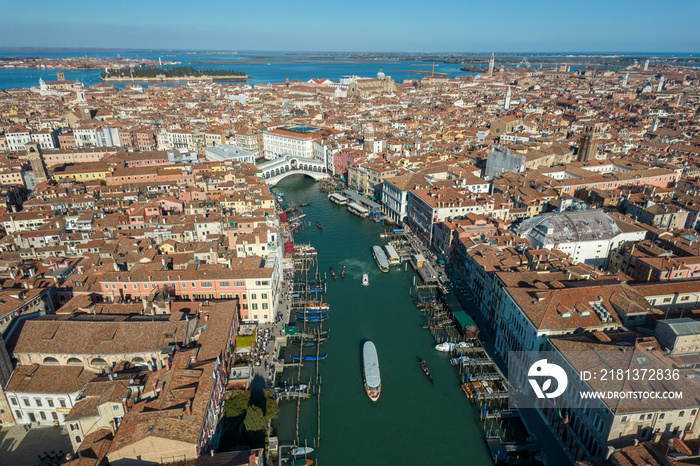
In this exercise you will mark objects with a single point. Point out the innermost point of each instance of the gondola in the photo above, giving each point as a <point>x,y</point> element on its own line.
<point>320,227</point>
<point>333,274</point>
<point>426,371</point>
<point>342,273</point>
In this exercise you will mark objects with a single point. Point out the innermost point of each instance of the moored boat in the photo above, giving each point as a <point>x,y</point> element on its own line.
<point>309,358</point>
<point>301,451</point>
<point>447,346</point>
<point>380,258</point>
<point>312,318</point>
<point>315,306</point>
<point>370,364</point>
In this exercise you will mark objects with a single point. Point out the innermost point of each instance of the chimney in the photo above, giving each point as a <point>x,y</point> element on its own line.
<point>188,408</point>
<point>656,437</point>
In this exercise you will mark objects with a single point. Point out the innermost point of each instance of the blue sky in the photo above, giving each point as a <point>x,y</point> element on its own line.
<point>360,25</point>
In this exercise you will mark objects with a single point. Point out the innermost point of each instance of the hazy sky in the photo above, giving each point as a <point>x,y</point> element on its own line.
<point>360,25</point>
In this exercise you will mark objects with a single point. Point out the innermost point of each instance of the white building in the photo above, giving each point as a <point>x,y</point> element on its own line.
<point>586,236</point>
<point>225,152</point>
<point>45,393</point>
<point>297,141</point>
<point>46,138</point>
<point>16,138</point>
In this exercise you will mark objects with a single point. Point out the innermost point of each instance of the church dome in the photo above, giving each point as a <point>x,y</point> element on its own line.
<point>381,74</point>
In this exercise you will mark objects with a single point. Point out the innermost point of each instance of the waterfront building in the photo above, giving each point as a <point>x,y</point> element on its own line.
<point>591,428</point>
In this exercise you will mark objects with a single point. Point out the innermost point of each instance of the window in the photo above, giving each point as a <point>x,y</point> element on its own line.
<point>14,401</point>
<point>193,285</point>
<point>226,284</point>
<point>667,300</point>
<point>264,296</point>
<point>50,402</point>
<point>255,306</point>
<point>115,407</point>
<point>662,415</point>
<point>135,286</point>
<point>244,296</point>
<point>206,284</point>
<point>253,296</point>
<point>54,415</point>
<point>685,298</point>
<point>264,305</point>
<point>238,283</point>
<point>43,415</point>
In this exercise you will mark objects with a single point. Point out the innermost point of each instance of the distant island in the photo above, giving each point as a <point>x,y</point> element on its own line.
<point>180,73</point>
<point>81,63</point>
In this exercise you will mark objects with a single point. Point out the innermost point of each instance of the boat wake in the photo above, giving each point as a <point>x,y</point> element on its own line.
<point>355,267</point>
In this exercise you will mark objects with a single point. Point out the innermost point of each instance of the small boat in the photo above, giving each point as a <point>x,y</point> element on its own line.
<point>301,451</point>
<point>297,388</point>
<point>320,227</point>
<point>312,318</point>
<point>333,274</point>
<point>308,343</point>
<point>302,462</point>
<point>305,204</point>
<point>370,364</point>
<point>458,361</point>
<point>302,312</point>
<point>310,358</point>
<point>342,273</point>
<point>365,279</point>
<point>316,306</point>
<point>447,346</point>
<point>426,371</point>
<point>301,216</point>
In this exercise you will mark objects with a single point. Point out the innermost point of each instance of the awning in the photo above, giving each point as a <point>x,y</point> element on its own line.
<point>464,320</point>
<point>283,217</point>
<point>289,247</point>
<point>291,330</point>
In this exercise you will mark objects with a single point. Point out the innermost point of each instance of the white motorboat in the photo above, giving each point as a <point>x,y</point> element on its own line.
<point>365,279</point>
<point>447,346</point>
<point>301,451</point>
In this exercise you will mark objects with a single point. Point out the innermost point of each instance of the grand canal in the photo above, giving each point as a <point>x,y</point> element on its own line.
<point>413,422</point>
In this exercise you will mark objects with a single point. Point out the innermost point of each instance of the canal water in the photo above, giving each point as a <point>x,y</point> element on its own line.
<point>414,422</point>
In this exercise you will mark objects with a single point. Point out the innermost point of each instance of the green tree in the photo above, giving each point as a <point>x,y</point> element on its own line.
<point>271,406</point>
<point>237,403</point>
<point>254,419</point>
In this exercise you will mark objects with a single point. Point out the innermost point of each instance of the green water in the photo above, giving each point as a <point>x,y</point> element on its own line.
<point>414,422</point>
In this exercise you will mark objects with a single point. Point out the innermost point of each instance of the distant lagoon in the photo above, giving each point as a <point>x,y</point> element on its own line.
<point>268,67</point>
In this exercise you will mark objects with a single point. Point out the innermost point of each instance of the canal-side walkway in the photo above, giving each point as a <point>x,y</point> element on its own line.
<point>554,452</point>
<point>552,449</point>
